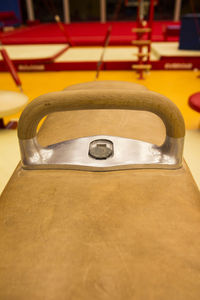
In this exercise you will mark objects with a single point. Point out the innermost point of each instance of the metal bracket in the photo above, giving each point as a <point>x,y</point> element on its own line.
<point>119,153</point>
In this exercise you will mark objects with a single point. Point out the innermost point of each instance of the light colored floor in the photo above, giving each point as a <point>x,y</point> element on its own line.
<point>124,53</point>
<point>33,51</point>
<point>80,54</point>
<point>177,85</point>
<point>112,53</point>
<point>171,49</point>
<point>93,54</point>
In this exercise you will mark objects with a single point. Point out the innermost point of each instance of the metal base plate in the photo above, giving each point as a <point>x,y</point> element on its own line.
<point>127,154</point>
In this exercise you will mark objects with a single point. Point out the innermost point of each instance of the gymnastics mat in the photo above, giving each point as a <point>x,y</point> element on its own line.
<point>34,54</point>
<point>63,57</point>
<point>100,215</point>
<point>84,33</point>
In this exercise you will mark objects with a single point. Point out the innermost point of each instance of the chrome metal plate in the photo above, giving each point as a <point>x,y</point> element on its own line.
<point>127,154</point>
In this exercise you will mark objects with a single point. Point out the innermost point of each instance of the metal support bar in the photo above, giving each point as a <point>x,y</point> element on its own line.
<point>66,9</point>
<point>103,11</point>
<point>177,10</point>
<point>151,14</point>
<point>30,10</point>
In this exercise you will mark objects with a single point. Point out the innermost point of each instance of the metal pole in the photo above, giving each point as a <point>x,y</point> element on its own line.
<point>151,14</point>
<point>66,11</point>
<point>103,11</point>
<point>177,10</point>
<point>30,10</point>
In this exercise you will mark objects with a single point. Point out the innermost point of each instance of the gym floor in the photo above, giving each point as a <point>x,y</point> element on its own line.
<point>176,85</point>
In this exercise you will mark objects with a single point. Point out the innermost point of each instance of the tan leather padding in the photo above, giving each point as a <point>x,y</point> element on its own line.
<point>121,99</point>
<point>121,235</point>
<point>110,235</point>
<point>75,124</point>
<point>106,84</point>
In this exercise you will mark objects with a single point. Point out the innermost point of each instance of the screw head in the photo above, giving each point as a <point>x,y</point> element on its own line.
<point>101,149</point>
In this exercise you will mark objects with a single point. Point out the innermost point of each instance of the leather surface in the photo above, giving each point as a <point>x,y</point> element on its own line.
<point>119,235</point>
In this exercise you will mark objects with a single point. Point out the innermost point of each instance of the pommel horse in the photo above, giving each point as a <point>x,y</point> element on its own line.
<point>102,205</point>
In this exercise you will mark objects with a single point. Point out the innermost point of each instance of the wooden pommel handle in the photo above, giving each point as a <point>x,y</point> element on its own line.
<point>69,100</point>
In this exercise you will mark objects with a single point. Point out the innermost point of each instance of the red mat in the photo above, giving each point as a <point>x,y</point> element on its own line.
<point>83,34</point>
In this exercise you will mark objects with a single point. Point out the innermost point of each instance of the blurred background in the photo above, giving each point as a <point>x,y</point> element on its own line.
<point>88,10</point>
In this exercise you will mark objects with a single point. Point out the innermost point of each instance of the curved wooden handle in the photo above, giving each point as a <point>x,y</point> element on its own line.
<point>101,99</point>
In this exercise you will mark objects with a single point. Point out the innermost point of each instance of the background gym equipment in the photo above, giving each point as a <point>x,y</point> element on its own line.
<point>144,28</point>
<point>106,43</point>
<point>58,57</point>
<point>11,103</point>
<point>10,66</point>
<point>10,13</point>
<point>40,57</point>
<point>194,101</point>
<point>190,32</point>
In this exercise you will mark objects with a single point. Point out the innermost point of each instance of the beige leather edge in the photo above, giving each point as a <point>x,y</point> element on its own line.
<point>101,99</point>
